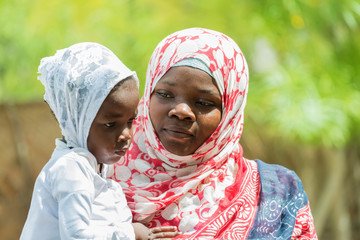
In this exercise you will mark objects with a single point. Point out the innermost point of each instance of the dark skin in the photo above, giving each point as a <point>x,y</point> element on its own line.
<point>163,233</point>
<point>185,109</point>
<point>110,133</point>
<point>110,136</point>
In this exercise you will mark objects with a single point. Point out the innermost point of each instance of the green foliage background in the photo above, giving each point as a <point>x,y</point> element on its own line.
<point>303,55</point>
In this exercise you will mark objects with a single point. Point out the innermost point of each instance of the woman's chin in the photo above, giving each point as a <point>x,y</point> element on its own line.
<point>178,149</point>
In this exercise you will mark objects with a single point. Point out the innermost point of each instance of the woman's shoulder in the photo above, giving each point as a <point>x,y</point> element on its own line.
<point>279,178</point>
<point>281,197</point>
<point>281,186</point>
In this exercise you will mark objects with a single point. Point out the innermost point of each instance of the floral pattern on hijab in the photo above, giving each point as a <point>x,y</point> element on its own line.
<point>228,65</point>
<point>202,192</point>
<point>77,80</point>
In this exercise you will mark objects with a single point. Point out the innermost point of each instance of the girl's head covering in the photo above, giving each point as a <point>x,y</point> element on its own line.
<point>186,191</point>
<point>77,80</point>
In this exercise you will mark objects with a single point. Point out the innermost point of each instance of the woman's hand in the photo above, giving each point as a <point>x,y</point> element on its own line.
<point>162,233</point>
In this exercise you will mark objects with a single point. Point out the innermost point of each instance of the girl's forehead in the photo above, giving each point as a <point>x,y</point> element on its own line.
<point>122,101</point>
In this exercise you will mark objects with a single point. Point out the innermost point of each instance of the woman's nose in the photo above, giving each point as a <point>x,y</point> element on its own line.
<point>125,135</point>
<point>182,111</point>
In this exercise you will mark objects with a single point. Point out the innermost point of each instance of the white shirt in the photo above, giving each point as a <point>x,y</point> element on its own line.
<point>71,201</point>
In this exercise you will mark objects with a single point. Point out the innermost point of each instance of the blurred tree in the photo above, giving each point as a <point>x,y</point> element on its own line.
<point>303,57</point>
<point>302,54</point>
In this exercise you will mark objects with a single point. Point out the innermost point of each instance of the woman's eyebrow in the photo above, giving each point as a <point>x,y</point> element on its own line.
<point>169,83</point>
<point>206,91</point>
<point>201,90</point>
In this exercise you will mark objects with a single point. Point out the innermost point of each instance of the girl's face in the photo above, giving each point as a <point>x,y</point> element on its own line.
<point>111,131</point>
<point>185,109</point>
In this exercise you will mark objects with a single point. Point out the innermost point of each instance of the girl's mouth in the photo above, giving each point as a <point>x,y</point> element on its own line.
<point>121,152</point>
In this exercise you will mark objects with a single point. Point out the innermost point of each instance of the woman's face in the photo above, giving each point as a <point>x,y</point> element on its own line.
<point>185,109</point>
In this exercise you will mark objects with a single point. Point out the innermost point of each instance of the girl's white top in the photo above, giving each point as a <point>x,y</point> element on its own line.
<point>71,201</point>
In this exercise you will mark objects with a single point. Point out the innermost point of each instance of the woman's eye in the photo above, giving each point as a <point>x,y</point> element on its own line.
<point>205,103</point>
<point>109,124</point>
<point>163,94</point>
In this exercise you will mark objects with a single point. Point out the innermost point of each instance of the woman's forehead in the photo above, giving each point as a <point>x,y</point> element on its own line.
<point>189,77</point>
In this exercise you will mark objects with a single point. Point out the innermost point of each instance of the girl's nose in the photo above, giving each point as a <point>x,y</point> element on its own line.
<point>125,134</point>
<point>183,112</point>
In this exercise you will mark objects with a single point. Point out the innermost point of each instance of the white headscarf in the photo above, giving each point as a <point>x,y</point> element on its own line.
<point>77,80</point>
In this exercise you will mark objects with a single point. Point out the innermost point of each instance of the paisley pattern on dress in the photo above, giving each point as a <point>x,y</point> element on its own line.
<point>283,211</point>
<point>304,225</point>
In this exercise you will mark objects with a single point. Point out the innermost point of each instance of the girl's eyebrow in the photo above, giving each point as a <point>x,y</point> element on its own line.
<point>113,115</point>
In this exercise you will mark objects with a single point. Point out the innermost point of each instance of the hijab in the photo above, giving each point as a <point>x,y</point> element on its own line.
<point>77,80</point>
<point>200,193</point>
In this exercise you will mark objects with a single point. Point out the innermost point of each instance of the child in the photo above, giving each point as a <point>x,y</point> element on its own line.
<point>93,96</point>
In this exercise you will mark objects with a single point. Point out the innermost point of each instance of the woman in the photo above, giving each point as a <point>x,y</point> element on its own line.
<point>186,167</point>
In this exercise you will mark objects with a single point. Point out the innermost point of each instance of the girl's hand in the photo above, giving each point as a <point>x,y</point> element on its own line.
<point>163,233</point>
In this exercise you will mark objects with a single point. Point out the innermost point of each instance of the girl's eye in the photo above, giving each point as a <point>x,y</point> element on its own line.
<point>131,121</point>
<point>109,124</point>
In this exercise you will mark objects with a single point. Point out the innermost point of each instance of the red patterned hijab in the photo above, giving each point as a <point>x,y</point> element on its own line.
<point>203,192</point>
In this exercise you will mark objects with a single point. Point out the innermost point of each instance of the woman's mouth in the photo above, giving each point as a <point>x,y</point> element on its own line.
<point>178,132</point>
